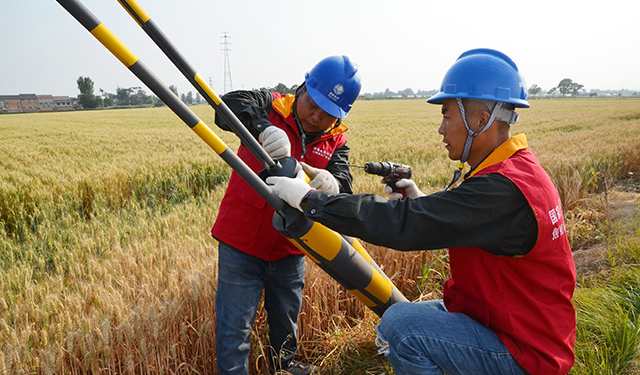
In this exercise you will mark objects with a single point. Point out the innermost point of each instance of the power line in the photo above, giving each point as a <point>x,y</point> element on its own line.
<point>228,85</point>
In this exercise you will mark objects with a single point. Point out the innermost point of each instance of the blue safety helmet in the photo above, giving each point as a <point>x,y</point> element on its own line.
<point>483,74</point>
<point>334,84</point>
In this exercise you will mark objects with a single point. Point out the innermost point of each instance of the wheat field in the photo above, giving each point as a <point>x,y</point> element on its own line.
<point>107,265</point>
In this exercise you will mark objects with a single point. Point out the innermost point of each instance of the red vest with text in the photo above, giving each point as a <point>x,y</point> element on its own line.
<point>525,300</point>
<point>245,219</point>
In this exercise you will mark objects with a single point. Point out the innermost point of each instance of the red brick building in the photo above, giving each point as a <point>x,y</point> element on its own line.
<point>36,103</point>
<point>29,103</point>
<point>11,103</point>
<point>19,103</point>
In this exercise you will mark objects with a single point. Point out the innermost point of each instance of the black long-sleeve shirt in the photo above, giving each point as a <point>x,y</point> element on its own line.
<point>486,211</point>
<point>253,108</point>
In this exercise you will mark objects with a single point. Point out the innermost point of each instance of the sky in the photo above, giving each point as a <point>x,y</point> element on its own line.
<point>397,44</point>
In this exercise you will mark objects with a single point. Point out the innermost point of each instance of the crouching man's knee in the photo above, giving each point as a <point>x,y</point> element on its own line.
<point>389,326</point>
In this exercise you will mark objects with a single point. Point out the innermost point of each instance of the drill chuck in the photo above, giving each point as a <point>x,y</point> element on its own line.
<point>390,172</point>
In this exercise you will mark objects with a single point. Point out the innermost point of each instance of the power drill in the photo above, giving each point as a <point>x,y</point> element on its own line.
<point>391,172</point>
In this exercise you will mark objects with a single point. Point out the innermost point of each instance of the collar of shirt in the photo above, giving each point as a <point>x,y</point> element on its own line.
<point>503,152</point>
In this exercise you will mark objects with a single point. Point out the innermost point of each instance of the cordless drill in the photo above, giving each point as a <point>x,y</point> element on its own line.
<point>391,172</point>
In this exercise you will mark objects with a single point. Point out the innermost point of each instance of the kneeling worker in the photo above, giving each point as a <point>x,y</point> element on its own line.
<point>507,307</point>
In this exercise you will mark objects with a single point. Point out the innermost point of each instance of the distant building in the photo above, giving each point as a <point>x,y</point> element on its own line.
<point>19,103</point>
<point>11,103</point>
<point>62,103</point>
<point>37,103</point>
<point>29,102</point>
<point>46,103</point>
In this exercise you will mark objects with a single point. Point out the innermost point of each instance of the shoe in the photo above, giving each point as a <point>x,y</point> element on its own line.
<point>299,368</point>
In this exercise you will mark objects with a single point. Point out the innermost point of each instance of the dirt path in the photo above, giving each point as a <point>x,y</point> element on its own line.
<point>624,206</point>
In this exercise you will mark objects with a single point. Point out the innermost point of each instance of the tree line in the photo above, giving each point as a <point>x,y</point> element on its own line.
<point>566,87</point>
<point>126,96</point>
<point>136,96</point>
<point>406,93</point>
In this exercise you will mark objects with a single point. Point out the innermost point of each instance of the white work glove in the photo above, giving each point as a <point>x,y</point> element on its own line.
<point>321,179</point>
<point>275,142</point>
<point>290,190</point>
<point>410,189</point>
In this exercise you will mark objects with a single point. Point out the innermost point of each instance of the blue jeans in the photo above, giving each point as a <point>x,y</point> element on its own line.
<point>241,280</point>
<point>424,338</point>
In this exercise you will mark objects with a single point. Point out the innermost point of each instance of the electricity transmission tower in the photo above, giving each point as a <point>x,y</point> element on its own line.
<point>228,86</point>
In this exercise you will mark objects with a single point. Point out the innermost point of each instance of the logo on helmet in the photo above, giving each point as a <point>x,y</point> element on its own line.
<point>338,89</point>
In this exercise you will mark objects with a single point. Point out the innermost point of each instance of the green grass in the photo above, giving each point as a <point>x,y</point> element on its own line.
<point>608,306</point>
<point>608,335</point>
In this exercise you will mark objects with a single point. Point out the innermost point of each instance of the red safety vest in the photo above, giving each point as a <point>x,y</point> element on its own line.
<point>525,300</point>
<point>245,219</point>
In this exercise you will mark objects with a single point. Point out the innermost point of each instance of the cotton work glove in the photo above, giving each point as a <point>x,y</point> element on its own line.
<point>275,142</point>
<point>321,179</point>
<point>410,189</point>
<point>290,190</point>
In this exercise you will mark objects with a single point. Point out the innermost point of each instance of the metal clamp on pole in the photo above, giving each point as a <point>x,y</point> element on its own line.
<point>343,258</point>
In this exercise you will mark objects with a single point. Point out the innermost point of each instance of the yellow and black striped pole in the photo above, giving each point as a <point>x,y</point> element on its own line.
<point>170,50</point>
<point>350,257</point>
<point>344,260</point>
<point>140,70</point>
<point>341,257</point>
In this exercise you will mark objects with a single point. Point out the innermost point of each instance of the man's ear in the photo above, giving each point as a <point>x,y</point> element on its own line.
<point>483,119</point>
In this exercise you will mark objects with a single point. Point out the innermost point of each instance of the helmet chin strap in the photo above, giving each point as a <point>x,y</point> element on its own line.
<point>303,136</point>
<point>470,137</point>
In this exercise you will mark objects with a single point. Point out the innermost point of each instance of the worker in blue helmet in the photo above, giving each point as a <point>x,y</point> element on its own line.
<point>488,77</point>
<point>254,257</point>
<point>333,93</point>
<point>507,307</point>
